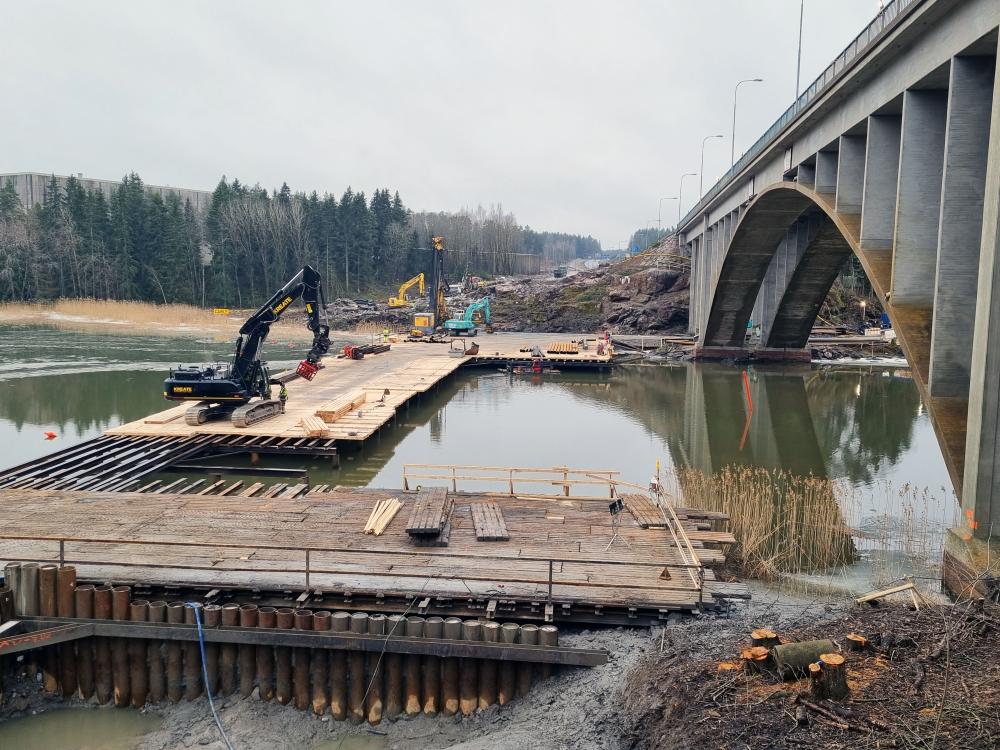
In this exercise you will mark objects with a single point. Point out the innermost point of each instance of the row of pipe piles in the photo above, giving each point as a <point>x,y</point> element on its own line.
<point>350,685</point>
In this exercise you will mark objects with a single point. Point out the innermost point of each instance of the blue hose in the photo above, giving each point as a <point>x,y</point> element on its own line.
<point>204,672</point>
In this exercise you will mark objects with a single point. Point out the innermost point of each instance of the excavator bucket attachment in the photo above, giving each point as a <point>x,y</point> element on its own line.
<point>306,370</point>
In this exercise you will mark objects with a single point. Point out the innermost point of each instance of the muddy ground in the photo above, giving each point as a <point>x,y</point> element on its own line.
<point>582,708</point>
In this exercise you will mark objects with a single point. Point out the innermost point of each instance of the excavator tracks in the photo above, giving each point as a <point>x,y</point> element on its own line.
<point>256,411</point>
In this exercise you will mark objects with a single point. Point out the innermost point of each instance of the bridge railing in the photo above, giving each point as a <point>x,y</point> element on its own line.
<point>871,34</point>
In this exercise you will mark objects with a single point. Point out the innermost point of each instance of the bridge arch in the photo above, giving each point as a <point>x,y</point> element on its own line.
<point>756,239</point>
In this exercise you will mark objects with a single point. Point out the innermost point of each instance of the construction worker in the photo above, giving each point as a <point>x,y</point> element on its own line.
<point>283,397</point>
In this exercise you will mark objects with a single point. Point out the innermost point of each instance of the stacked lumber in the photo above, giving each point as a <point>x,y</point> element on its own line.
<point>314,427</point>
<point>334,410</point>
<point>430,515</point>
<point>382,515</point>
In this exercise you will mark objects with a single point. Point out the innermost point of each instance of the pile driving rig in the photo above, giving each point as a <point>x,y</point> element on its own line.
<point>228,389</point>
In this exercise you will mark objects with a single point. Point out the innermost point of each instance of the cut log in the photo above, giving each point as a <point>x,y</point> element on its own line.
<point>793,659</point>
<point>856,642</point>
<point>764,637</point>
<point>831,680</point>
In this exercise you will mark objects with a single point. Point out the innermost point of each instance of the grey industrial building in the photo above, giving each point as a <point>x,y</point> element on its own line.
<point>30,187</point>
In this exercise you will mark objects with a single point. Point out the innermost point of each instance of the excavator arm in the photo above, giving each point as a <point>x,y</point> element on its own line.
<point>401,300</point>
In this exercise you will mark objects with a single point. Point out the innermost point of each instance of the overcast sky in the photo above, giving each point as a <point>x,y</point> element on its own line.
<point>577,116</point>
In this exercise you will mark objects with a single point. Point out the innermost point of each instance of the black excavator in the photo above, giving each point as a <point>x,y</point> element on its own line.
<point>229,389</point>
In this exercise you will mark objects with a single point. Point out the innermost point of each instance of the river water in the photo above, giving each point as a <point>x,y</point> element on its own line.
<point>861,425</point>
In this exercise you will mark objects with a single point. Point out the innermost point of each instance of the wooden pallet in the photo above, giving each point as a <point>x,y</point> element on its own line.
<point>563,347</point>
<point>489,522</point>
<point>430,512</point>
<point>645,513</point>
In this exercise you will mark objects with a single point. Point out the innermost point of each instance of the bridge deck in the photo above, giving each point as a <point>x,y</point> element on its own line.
<point>261,542</point>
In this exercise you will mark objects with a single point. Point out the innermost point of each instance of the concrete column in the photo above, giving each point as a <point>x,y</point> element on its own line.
<point>782,268</point>
<point>850,173</point>
<point>981,485</point>
<point>826,172</point>
<point>918,197</point>
<point>807,175</point>
<point>694,312</point>
<point>960,229</point>
<point>878,205</point>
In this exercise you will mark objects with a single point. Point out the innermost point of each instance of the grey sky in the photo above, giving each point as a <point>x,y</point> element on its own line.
<point>575,115</point>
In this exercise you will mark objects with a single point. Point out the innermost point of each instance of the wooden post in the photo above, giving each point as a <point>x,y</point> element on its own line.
<point>319,671</point>
<point>12,581</point>
<point>228,652</point>
<point>431,689</point>
<point>339,623</point>
<point>468,685</point>
<point>396,628</point>
<point>84,606</point>
<point>303,620</point>
<point>267,617</point>
<point>47,575</point>
<point>488,668</point>
<point>211,617</point>
<point>508,674</point>
<point>247,652</point>
<point>285,619</point>
<point>411,668</point>
<point>175,660</point>
<point>66,607</point>
<point>525,669</point>
<point>375,672</point>
<point>120,596</point>
<point>193,679</point>
<point>138,670</point>
<point>356,659</point>
<point>449,670</point>
<point>154,653</point>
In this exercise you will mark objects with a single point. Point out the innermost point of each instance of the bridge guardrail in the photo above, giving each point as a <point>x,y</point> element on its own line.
<point>871,34</point>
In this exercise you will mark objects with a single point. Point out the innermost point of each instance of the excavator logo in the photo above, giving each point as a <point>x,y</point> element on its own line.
<point>182,389</point>
<point>282,305</point>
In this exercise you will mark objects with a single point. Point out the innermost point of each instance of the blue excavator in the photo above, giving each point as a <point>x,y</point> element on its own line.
<point>241,390</point>
<point>477,312</point>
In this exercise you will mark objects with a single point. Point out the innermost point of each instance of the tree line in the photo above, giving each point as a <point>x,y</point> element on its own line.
<point>139,245</point>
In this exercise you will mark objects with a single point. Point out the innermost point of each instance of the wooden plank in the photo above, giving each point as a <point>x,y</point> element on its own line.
<point>645,513</point>
<point>331,412</point>
<point>252,490</point>
<point>489,522</point>
<point>314,427</point>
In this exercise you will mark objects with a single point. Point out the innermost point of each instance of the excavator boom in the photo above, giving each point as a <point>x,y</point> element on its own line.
<point>402,300</point>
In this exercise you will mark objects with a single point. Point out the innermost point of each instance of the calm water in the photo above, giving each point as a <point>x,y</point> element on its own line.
<point>77,729</point>
<point>863,424</point>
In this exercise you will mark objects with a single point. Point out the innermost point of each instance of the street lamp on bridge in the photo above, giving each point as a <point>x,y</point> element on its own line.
<point>732,152</point>
<point>659,211</point>
<point>701,174</point>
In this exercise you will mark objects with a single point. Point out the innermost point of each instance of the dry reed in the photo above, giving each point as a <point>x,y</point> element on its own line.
<point>786,524</point>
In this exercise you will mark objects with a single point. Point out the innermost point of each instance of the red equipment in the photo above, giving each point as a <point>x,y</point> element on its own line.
<point>306,370</point>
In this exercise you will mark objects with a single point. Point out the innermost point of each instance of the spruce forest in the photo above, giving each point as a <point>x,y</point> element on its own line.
<point>137,245</point>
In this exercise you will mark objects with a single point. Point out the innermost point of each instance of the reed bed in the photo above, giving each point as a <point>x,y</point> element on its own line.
<point>786,524</point>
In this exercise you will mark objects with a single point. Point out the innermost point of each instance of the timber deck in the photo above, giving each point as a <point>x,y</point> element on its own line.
<point>350,400</point>
<point>556,556</point>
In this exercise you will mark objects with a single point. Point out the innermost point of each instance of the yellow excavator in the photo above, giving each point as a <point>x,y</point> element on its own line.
<point>401,300</point>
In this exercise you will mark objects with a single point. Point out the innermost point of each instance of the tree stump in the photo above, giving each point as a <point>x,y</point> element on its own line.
<point>764,637</point>
<point>755,659</point>
<point>856,642</point>
<point>828,677</point>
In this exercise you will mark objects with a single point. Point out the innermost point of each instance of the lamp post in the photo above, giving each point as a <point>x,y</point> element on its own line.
<point>680,195</point>
<point>798,64</point>
<point>701,174</point>
<point>659,211</point>
<point>732,152</point>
